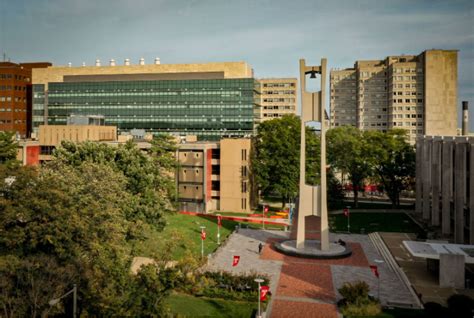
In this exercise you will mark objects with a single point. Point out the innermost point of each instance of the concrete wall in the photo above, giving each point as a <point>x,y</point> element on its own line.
<point>234,161</point>
<point>56,74</point>
<point>441,73</point>
<point>445,186</point>
<point>53,135</point>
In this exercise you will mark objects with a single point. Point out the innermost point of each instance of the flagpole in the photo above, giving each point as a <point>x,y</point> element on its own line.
<point>202,242</point>
<point>218,229</point>
<point>259,280</point>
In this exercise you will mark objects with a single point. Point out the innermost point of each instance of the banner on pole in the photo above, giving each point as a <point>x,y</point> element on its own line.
<point>346,212</point>
<point>265,209</point>
<point>264,290</point>
<point>219,221</point>
<point>203,234</point>
<point>236,260</point>
<point>374,270</point>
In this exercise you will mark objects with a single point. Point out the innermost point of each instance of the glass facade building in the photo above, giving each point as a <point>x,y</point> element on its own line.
<point>208,108</point>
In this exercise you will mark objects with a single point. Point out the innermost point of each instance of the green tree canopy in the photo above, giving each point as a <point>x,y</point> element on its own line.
<point>149,175</point>
<point>8,147</point>
<point>394,161</point>
<point>351,153</point>
<point>66,224</point>
<point>275,157</point>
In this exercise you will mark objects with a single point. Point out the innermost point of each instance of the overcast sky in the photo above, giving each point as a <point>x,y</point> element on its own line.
<point>271,35</point>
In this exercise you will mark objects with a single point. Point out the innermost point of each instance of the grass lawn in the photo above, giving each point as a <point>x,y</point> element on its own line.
<point>372,222</point>
<point>402,313</point>
<point>370,205</point>
<point>189,306</point>
<point>184,232</point>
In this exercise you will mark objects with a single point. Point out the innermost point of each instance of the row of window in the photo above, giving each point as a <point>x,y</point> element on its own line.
<point>278,100</point>
<point>14,76</point>
<point>412,93</point>
<point>407,123</point>
<point>12,88</point>
<point>280,107</point>
<point>413,100</point>
<point>406,116</point>
<point>16,110</point>
<point>279,92</point>
<point>407,70</point>
<point>279,85</point>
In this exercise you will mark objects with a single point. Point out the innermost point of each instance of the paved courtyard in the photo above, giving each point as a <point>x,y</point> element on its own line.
<point>308,287</point>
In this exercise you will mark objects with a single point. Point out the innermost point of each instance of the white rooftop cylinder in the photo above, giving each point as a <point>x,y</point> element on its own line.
<point>127,62</point>
<point>97,62</point>
<point>142,61</point>
<point>69,64</point>
<point>112,62</point>
<point>83,63</point>
<point>157,60</point>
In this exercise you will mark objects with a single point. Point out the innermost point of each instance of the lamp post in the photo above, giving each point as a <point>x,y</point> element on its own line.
<point>202,240</point>
<point>219,220</point>
<point>259,281</point>
<point>55,301</point>
<point>379,262</point>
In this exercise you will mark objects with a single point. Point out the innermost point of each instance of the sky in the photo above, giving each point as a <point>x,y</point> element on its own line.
<point>270,35</point>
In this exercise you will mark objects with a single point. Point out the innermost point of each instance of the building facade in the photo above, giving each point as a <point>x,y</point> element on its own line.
<point>275,97</point>
<point>417,93</point>
<point>15,96</point>
<point>445,185</point>
<point>214,176</point>
<point>211,100</point>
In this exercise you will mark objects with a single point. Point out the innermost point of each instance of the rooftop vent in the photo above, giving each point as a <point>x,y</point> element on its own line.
<point>112,62</point>
<point>142,61</point>
<point>157,61</point>
<point>127,62</point>
<point>69,64</point>
<point>83,63</point>
<point>97,62</point>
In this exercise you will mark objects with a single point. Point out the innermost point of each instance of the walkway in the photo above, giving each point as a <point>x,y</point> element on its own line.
<point>307,287</point>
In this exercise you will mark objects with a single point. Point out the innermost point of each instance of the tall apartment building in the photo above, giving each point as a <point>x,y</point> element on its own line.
<point>15,96</point>
<point>413,92</point>
<point>211,100</point>
<point>275,97</point>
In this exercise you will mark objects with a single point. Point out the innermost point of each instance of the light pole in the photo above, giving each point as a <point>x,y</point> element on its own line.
<point>219,220</point>
<point>55,301</point>
<point>259,281</point>
<point>202,240</point>
<point>348,219</point>
<point>379,262</point>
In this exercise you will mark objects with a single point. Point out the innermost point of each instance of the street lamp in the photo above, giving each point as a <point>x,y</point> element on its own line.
<point>259,281</point>
<point>379,262</point>
<point>55,301</point>
<point>202,241</point>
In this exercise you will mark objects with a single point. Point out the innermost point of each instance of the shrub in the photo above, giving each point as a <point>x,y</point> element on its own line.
<point>460,306</point>
<point>352,292</point>
<point>362,309</point>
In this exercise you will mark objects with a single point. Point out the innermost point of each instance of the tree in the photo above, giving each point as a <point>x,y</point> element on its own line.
<point>350,153</point>
<point>275,158</point>
<point>395,161</point>
<point>65,224</point>
<point>8,147</point>
<point>149,175</point>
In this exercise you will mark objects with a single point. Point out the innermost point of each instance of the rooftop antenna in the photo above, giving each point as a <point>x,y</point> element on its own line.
<point>4,56</point>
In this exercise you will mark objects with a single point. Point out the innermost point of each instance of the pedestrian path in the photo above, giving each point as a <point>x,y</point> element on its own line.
<point>308,287</point>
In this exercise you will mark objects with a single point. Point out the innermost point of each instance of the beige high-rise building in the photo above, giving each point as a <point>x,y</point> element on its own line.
<point>413,92</point>
<point>275,97</point>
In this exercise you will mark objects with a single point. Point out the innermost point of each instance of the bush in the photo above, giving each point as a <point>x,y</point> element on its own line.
<point>362,309</point>
<point>352,292</point>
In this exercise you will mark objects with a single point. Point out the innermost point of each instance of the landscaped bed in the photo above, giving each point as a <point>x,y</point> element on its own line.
<point>373,222</point>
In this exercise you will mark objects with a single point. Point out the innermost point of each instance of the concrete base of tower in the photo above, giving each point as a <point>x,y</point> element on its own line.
<point>312,249</point>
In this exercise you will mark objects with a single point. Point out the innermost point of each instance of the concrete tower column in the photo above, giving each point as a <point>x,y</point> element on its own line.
<point>436,179</point>
<point>447,170</point>
<point>426,177</point>
<point>419,174</point>
<point>312,199</point>
<point>460,177</point>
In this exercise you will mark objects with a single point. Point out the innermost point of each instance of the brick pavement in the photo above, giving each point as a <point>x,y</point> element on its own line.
<point>307,287</point>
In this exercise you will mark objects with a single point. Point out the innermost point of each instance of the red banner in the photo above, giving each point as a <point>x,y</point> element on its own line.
<point>236,260</point>
<point>203,234</point>
<point>346,212</point>
<point>374,270</point>
<point>265,209</point>
<point>264,290</point>
<point>219,221</point>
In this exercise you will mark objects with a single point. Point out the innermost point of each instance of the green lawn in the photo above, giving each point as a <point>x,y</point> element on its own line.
<point>373,222</point>
<point>183,232</point>
<point>370,205</point>
<point>189,306</point>
<point>402,313</point>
